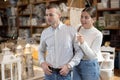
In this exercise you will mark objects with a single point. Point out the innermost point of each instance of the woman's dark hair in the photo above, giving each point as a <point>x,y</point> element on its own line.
<point>91,11</point>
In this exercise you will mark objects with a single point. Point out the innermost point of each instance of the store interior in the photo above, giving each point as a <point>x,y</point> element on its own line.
<point>21,25</point>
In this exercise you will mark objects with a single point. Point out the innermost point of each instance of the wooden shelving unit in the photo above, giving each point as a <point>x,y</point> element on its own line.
<point>4,26</point>
<point>109,9</point>
<point>30,15</point>
<point>114,29</point>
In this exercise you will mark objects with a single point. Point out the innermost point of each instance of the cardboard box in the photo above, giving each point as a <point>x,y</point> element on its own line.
<point>112,20</point>
<point>116,1</point>
<point>101,21</point>
<point>115,4</point>
<point>100,6</point>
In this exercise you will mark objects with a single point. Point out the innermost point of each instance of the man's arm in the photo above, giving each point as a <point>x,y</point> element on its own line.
<point>41,55</point>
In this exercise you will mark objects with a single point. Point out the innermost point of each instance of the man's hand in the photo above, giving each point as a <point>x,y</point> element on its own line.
<point>45,67</point>
<point>64,70</point>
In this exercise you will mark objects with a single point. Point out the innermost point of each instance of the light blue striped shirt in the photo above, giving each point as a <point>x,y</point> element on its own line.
<point>59,44</point>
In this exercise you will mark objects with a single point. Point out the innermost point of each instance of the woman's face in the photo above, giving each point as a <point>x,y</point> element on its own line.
<point>86,20</point>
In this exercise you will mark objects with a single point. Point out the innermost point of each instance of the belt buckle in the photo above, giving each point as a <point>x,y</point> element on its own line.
<point>55,69</point>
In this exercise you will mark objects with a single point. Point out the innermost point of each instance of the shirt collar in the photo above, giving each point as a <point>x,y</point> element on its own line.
<point>59,26</point>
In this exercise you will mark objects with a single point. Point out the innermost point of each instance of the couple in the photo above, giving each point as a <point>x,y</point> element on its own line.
<point>59,39</point>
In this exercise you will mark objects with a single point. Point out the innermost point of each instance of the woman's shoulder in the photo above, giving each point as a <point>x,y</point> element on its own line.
<point>98,32</point>
<point>69,27</point>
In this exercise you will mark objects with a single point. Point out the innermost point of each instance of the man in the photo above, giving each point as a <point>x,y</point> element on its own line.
<point>58,41</point>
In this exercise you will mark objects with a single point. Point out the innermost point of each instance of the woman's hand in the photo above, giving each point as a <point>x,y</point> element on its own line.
<point>80,38</point>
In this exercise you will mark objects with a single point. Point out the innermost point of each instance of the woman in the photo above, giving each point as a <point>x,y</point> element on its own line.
<point>89,39</point>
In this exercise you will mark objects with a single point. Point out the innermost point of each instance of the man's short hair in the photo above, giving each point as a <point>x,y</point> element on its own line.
<point>53,5</point>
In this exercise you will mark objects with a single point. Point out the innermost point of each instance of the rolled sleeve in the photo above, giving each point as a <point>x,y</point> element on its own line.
<point>78,55</point>
<point>41,50</point>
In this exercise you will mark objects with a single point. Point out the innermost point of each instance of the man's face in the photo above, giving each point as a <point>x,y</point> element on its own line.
<point>52,16</point>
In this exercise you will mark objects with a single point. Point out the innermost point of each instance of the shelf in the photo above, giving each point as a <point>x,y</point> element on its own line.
<point>117,49</point>
<point>22,5</point>
<point>34,26</point>
<point>109,9</point>
<point>35,3</point>
<point>24,27</point>
<point>112,28</point>
<point>3,26</point>
<point>23,14</point>
<point>40,26</point>
<point>5,4</point>
<point>3,8</point>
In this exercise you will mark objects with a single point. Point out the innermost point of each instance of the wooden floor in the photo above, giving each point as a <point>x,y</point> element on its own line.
<point>116,74</point>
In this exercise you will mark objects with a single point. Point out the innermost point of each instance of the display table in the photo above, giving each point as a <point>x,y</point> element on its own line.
<point>38,72</point>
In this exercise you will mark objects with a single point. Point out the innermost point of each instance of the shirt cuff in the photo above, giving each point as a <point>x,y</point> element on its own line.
<point>81,44</point>
<point>72,64</point>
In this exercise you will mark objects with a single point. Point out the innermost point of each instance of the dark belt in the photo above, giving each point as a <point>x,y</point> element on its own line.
<point>55,69</point>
